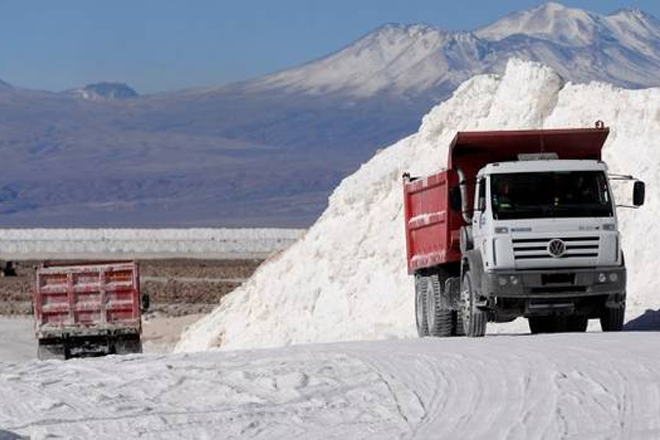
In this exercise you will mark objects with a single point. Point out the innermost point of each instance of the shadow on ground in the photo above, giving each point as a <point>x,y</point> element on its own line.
<point>648,322</point>
<point>6,435</point>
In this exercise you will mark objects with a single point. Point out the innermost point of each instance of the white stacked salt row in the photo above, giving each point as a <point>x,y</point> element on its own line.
<point>92,243</point>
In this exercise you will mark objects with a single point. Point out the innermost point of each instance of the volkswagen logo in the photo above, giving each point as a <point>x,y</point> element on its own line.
<point>556,248</point>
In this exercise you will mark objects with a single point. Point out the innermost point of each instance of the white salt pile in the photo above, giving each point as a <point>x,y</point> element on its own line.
<point>346,278</point>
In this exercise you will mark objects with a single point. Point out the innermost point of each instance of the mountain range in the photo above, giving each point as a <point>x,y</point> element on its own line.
<point>268,151</point>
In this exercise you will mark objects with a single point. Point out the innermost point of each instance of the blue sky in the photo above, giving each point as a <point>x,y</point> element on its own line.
<point>158,45</point>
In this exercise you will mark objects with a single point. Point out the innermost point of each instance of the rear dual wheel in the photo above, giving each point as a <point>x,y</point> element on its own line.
<point>421,286</point>
<point>431,317</point>
<point>128,345</point>
<point>439,319</point>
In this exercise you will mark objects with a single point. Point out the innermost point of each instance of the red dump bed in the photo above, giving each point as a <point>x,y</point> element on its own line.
<point>432,228</point>
<point>86,298</point>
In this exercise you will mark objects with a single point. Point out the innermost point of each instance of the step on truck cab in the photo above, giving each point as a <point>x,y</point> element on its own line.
<point>520,224</point>
<point>88,309</point>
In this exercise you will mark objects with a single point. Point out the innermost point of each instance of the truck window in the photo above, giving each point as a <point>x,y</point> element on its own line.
<point>550,194</point>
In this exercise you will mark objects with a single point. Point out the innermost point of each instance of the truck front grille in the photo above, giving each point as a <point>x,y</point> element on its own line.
<point>537,248</point>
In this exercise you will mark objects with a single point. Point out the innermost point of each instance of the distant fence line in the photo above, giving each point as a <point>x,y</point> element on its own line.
<point>144,243</point>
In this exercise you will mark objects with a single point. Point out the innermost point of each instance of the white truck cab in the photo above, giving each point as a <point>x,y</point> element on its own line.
<point>546,233</point>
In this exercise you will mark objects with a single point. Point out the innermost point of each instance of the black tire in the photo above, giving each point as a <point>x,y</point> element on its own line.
<point>457,328</point>
<point>421,315</point>
<point>439,320</point>
<point>474,319</point>
<point>51,351</point>
<point>611,320</point>
<point>128,345</point>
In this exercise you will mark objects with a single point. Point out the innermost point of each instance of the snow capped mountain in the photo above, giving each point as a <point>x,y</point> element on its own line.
<point>622,48</point>
<point>105,91</point>
<point>380,60</point>
<point>553,22</point>
<point>396,59</point>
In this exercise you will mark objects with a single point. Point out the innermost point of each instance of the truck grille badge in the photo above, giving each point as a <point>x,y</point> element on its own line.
<point>556,248</point>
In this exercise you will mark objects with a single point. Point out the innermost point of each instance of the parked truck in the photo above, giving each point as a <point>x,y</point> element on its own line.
<point>88,309</point>
<point>519,224</point>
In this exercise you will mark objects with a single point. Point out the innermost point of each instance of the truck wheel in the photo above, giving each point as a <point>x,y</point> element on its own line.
<point>439,319</point>
<point>612,319</point>
<point>51,351</point>
<point>474,319</point>
<point>128,345</point>
<point>421,286</point>
<point>457,328</point>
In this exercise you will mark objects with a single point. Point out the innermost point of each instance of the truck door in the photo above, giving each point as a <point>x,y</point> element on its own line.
<point>480,219</point>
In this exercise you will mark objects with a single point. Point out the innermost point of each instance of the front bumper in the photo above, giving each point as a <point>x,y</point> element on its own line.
<point>555,283</point>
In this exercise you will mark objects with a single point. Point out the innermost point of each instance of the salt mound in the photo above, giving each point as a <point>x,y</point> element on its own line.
<point>346,278</point>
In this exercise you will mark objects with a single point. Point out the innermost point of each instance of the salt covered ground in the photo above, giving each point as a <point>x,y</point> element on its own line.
<point>592,385</point>
<point>346,278</point>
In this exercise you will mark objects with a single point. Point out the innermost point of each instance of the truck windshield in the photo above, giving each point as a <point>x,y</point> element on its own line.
<point>550,194</point>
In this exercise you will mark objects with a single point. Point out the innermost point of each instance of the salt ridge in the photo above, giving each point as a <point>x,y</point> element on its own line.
<point>346,278</point>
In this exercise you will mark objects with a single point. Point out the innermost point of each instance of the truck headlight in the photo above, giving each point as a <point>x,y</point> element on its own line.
<point>514,280</point>
<point>614,277</point>
<point>602,277</point>
<point>501,281</point>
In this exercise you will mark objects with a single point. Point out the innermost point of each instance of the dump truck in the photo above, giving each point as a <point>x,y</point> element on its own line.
<point>88,309</point>
<point>519,224</point>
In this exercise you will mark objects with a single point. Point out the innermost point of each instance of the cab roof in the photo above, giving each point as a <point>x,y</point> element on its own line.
<point>534,166</point>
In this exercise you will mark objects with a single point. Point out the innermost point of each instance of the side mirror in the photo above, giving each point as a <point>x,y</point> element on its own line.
<point>146,302</point>
<point>455,199</point>
<point>481,204</point>
<point>639,193</point>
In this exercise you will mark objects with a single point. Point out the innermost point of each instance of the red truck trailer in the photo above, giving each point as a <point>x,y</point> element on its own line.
<point>520,224</point>
<point>88,309</point>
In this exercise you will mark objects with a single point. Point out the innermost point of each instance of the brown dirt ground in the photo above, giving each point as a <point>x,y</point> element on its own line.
<point>177,287</point>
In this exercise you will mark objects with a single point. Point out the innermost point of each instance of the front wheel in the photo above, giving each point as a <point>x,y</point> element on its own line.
<point>474,319</point>
<point>612,318</point>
